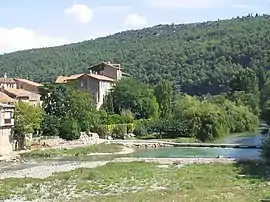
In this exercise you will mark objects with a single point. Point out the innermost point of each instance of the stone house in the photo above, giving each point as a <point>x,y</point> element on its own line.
<point>4,98</point>
<point>97,81</point>
<point>7,83</point>
<point>27,85</point>
<point>23,95</point>
<point>14,89</point>
<point>6,128</point>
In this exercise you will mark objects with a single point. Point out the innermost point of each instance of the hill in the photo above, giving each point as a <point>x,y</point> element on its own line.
<point>198,58</point>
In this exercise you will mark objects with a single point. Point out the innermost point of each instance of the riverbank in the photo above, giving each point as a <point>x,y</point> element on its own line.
<point>99,149</point>
<point>46,169</point>
<point>136,179</point>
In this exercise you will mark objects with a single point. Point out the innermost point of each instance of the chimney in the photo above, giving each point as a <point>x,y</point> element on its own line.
<point>5,75</point>
<point>90,71</point>
<point>109,62</point>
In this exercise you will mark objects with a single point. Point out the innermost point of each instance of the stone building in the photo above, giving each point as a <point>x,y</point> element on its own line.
<point>14,89</point>
<point>6,127</point>
<point>97,81</point>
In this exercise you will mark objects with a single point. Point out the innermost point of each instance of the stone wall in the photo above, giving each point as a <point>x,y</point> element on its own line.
<point>85,139</point>
<point>5,141</point>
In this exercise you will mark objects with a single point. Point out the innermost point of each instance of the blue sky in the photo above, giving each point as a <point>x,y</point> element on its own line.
<point>28,24</point>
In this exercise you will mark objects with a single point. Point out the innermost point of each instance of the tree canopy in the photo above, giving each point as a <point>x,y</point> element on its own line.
<point>197,58</point>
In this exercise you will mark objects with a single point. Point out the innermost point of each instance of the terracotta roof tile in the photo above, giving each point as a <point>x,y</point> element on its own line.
<point>18,92</point>
<point>100,77</point>
<point>64,79</point>
<point>28,82</point>
<point>7,80</point>
<point>5,98</point>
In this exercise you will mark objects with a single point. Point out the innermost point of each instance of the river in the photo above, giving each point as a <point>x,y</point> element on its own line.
<point>182,152</point>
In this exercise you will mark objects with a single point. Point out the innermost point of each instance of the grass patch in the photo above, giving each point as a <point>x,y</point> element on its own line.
<point>79,151</point>
<point>138,181</point>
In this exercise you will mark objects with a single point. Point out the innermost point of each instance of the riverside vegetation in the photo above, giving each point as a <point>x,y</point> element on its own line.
<point>199,81</point>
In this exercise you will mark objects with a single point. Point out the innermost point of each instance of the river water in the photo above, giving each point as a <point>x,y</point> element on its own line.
<point>182,152</point>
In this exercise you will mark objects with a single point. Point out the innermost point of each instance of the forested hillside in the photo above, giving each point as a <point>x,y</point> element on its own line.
<point>198,58</point>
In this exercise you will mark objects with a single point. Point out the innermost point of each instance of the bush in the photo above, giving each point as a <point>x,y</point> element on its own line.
<point>140,129</point>
<point>120,131</point>
<point>101,130</point>
<point>130,127</point>
<point>265,152</point>
<point>70,130</point>
<point>50,125</point>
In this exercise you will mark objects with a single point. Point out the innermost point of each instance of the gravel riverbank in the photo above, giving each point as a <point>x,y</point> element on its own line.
<point>46,169</point>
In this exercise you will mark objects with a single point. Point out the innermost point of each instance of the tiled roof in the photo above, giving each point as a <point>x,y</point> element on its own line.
<point>7,80</point>
<point>100,77</point>
<point>102,64</point>
<point>5,98</point>
<point>18,92</point>
<point>28,82</point>
<point>64,79</point>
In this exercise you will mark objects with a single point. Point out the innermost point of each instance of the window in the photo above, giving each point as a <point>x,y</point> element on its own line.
<point>7,115</point>
<point>7,121</point>
<point>82,84</point>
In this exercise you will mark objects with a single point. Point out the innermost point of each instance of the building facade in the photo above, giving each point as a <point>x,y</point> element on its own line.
<point>98,81</point>
<point>15,89</point>
<point>6,128</point>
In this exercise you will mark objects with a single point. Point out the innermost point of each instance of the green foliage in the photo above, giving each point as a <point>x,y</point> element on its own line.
<point>266,112</point>
<point>70,130</point>
<point>101,130</point>
<point>251,100</point>
<point>120,131</point>
<point>164,94</point>
<point>65,102</point>
<point>205,121</point>
<point>50,125</point>
<point>244,80</point>
<point>197,58</point>
<point>239,117</point>
<point>130,94</point>
<point>140,129</point>
<point>27,118</point>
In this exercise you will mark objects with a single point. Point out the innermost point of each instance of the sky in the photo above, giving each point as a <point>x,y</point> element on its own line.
<point>26,24</point>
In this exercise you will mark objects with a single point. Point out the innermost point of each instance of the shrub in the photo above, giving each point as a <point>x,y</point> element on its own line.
<point>127,116</point>
<point>50,125</point>
<point>70,130</point>
<point>140,129</point>
<point>120,131</point>
<point>101,130</point>
<point>130,127</point>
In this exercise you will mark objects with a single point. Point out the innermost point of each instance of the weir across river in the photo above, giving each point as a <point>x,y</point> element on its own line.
<point>174,144</point>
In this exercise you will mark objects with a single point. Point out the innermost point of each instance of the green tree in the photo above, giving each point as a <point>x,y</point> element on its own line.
<point>130,94</point>
<point>27,120</point>
<point>65,102</point>
<point>70,129</point>
<point>50,125</point>
<point>164,94</point>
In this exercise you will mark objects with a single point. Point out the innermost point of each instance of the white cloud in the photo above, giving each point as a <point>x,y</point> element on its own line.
<point>169,4</point>
<point>20,39</point>
<point>134,20</point>
<point>81,12</point>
